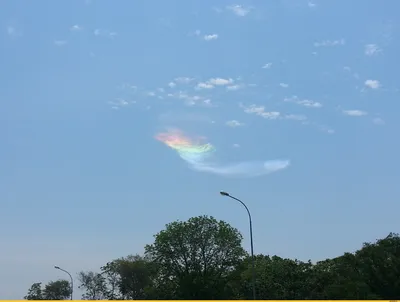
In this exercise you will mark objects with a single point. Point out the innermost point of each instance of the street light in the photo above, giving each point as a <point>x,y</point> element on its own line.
<point>253,269</point>
<point>72,280</point>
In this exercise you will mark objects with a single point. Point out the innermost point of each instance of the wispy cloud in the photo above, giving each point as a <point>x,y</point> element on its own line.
<point>378,121</point>
<point>190,99</point>
<point>234,87</point>
<point>104,33</point>
<point>234,123</point>
<point>183,80</point>
<point>76,27</point>
<point>373,84</point>
<point>354,112</point>
<point>119,103</point>
<point>327,43</point>
<point>60,42</point>
<point>239,10</point>
<point>267,66</point>
<point>305,102</point>
<point>311,4</point>
<point>260,111</point>
<point>284,85</point>
<point>210,37</point>
<point>211,83</point>
<point>372,49</point>
<point>201,156</point>
<point>13,31</point>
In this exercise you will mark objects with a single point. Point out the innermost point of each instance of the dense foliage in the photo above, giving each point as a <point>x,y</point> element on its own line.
<point>202,258</point>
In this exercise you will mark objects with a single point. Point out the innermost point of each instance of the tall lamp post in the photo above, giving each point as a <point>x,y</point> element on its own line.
<point>72,280</point>
<point>253,269</point>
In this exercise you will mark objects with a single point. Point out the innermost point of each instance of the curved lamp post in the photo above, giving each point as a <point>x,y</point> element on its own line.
<point>253,269</point>
<point>72,280</point>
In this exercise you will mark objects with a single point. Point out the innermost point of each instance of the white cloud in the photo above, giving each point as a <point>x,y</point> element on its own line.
<point>234,123</point>
<point>355,112</point>
<point>233,87</point>
<point>60,42</point>
<point>76,27</point>
<point>236,146</point>
<point>372,49</point>
<point>171,84</point>
<point>188,99</point>
<point>284,85</point>
<point>295,117</point>
<point>183,80</point>
<point>311,4</point>
<point>305,103</point>
<point>267,66</point>
<point>104,32</point>
<point>373,84</point>
<point>203,85</point>
<point>308,103</point>
<point>210,37</point>
<point>118,103</point>
<point>220,81</point>
<point>12,31</point>
<point>239,10</point>
<point>378,121</point>
<point>151,93</point>
<point>327,43</point>
<point>260,111</point>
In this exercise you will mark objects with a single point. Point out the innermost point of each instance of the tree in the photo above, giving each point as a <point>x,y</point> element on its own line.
<point>195,258</point>
<point>94,286</point>
<point>379,264</point>
<point>125,278</point>
<point>54,290</point>
<point>57,290</point>
<point>35,292</point>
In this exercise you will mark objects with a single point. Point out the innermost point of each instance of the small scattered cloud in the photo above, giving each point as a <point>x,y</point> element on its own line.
<point>76,27</point>
<point>327,43</point>
<point>104,33</point>
<point>119,103</point>
<point>311,4</point>
<point>260,111</point>
<point>234,123</point>
<point>204,85</point>
<point>239,10</point>
<point>372,50</point>
<point>296,117</point>
<point>183,80</point>
<point>220,81</point>
<point>305,103</point>
<point>236,146</point>
<point>171,84</point>
<point>373,84</point>
<point>210,37</point>
<point>13,32</point>
<point>60,42</point>
<point>267,66</point>
<point>378,121</point>
<point>354,112</point>
<point>211,83</point>
<point>190,100</point>
<point>284,85</point>
<point>234,87</point>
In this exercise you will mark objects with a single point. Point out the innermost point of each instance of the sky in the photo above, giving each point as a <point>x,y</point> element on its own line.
<point>119,117</point>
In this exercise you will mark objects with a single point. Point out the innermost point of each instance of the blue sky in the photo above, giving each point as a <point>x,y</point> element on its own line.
<point>86,86</point>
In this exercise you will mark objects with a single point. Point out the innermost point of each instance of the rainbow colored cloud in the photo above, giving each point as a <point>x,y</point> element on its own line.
<point>200,157</point>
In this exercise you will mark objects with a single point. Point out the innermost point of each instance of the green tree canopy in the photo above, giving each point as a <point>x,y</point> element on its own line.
<point>202,258</point>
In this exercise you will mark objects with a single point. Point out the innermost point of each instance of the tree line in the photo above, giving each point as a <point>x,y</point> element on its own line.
<point>202,258</point>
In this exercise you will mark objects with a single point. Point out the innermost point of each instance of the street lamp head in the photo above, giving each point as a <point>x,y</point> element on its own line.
<point>223,193</point>
<point>56,267</point>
